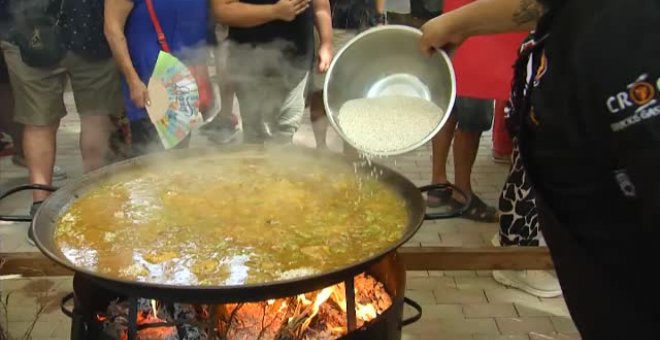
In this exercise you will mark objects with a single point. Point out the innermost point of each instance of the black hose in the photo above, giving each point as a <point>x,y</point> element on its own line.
<point>416,307</point>
<point>28,187</point>
<point>14,218</point>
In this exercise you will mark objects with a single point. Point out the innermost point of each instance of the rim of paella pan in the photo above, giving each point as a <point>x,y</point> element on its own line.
<point>61,199</point>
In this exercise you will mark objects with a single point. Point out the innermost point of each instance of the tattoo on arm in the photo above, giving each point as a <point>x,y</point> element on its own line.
<point>528,11</point>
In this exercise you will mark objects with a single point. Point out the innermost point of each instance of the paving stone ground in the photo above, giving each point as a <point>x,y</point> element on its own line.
<point>457,305</point>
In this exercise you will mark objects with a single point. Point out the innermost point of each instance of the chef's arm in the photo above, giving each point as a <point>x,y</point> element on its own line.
<point>234,13</point>
<point>479,18</point>
<point>115,15</point>
<point>497,16</point>
<point>323,21</point>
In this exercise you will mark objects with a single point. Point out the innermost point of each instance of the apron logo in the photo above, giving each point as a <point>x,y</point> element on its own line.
<point>635,105</point>
<point>639,95</point>
<point>642,93</point>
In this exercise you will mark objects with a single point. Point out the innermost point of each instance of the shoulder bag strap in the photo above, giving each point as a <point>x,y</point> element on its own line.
<point>159,30</point>
<point>60,14</point>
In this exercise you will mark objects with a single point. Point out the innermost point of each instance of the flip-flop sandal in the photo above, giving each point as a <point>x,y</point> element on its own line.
<point>439,197</point>
<point>477,210</point>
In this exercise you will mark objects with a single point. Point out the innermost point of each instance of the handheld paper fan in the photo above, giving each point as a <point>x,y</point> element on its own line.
<point>174,107</point>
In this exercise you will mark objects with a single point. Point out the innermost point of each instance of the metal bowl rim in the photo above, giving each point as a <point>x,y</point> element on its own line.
<point>375,30</point>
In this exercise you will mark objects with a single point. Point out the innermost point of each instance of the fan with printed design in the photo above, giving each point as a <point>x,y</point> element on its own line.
<point>174,100</point>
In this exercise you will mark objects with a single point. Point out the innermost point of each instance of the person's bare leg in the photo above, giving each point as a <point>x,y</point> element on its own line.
<point>440,146</point>
<point>466,145</point>
<point>39,145</point>
<point>319,119</point>
<point>94,140</point>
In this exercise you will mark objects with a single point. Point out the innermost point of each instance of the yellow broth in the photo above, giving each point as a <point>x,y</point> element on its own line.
<point>215,220</point>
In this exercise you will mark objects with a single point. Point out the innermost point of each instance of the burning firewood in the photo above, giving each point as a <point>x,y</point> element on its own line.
<point>318,315</point>
<point>191,332</point>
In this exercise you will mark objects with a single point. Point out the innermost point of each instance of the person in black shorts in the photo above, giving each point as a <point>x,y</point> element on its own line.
<point>469,119</point>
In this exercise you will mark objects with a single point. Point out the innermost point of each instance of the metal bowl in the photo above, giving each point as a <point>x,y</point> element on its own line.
<point>384,61</point>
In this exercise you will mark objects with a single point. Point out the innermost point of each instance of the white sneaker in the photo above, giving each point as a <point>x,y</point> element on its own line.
<point>495,241</point>
<point>540,283</point>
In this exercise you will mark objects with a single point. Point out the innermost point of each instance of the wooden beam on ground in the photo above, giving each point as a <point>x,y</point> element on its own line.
<point>476,258</point>
<point>30,264</point>
<point>35,264</point>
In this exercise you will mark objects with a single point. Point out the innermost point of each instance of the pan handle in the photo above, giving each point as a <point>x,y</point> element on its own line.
<point>450,214</point>
<point>10,218</point>
<point>418,309</point>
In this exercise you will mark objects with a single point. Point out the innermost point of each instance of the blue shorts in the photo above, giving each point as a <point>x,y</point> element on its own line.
<point>475,115</point>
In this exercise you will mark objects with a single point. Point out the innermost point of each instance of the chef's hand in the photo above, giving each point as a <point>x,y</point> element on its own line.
<point>325,58</point>
<point>441,33</point>
<point>139,94</point>
<point>288,10</point>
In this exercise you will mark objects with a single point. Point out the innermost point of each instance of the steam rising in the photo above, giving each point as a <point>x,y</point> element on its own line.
<point>268,69</point>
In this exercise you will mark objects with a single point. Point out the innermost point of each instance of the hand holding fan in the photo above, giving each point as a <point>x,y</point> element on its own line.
<point>174,96</point>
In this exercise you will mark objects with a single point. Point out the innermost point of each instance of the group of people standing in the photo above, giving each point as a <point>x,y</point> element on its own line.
<point>106,52</point>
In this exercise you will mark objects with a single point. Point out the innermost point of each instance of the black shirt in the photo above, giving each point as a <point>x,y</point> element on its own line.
<point>592,141</point>
<point>425,9</point>
<point>81,23</point>
<point>82,26</point>
<point>295,38</point>
<point>353,14</point>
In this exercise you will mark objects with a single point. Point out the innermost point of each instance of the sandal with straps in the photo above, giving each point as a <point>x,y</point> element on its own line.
<point>478,210</point>
<point>439,197</point>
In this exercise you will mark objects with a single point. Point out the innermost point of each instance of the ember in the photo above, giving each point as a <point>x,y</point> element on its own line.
<point>314,315</point>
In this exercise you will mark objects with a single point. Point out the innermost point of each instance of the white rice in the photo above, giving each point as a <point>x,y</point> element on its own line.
<point>388,124</point>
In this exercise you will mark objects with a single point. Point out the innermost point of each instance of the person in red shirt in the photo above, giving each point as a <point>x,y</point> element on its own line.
<point>483,68</point>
